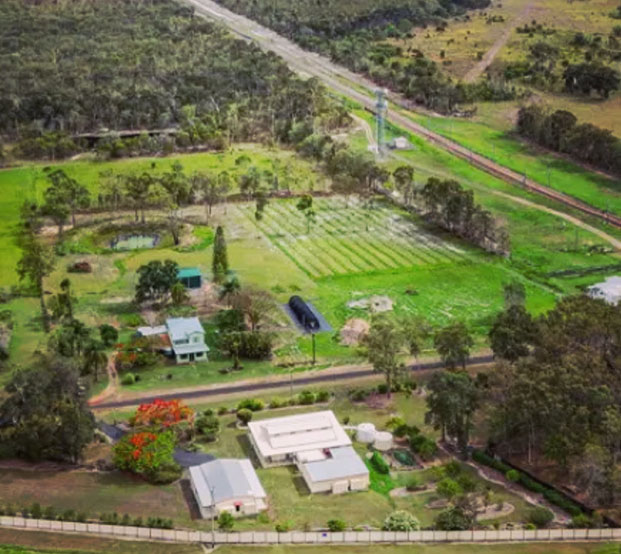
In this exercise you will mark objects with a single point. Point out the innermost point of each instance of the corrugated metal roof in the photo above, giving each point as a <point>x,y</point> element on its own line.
<point>343,463</point>
<point>186,272</point>
<point>229,479</point>
<point>181,327</point>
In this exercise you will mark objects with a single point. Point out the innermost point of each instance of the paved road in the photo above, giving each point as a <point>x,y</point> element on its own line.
<point>361,90</point>
<point>276,384</point>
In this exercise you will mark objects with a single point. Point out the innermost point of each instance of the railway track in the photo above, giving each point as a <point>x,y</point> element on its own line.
<point>361,90</point>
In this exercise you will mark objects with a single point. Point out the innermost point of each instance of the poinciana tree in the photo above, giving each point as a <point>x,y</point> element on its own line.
<point>162,413</point>
<point>144,452</point>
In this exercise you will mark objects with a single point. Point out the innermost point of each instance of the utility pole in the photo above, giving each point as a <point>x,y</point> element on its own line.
<point>314,348</point>
<point>212,488</point>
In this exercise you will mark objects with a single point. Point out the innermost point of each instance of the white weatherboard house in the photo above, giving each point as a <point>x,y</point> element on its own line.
<point>187,337</point>
<point>317,444</point>
<point>235,486</point>
<point>609,291</point>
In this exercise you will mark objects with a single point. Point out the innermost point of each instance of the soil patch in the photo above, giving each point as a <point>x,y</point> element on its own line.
<point>354,331</point>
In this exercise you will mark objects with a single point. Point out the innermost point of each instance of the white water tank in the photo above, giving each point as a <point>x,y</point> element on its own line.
<point>365,433</point>
<point>383,441</point>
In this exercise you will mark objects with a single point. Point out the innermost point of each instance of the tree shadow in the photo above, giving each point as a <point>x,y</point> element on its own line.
<point>190,499</point>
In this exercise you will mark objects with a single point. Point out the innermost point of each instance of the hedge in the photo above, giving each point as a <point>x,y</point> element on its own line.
<point>378,462</point>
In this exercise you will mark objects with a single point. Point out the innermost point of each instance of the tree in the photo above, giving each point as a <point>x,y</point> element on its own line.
<point>385,343</point>
<point>137,192</point>
<point>230,289</point>
<point>155,280</point>
<point>401,520</point>
<point>95,358</point>
<point>36,263</point>
<point>453,343</point>
<point>179,294</point>
<point>404,180</point>
<point>336,525</point>
<point>230,344</point>
<point>513,333</point>
<point>514,294</point>
<point>255,304</point>
<point>244,415</point>
<point>108,334</point>
<point>305,205</point>
<point>145,452</point>
<point>61,304</point>
<point>451,402</point>
<point>220,261</point>
<point>64,197</point>
<point>416,331</point>
<point>45,413</point>
<point>211,189</point>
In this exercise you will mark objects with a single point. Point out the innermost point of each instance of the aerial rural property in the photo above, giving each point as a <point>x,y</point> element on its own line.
<point>332,277</point>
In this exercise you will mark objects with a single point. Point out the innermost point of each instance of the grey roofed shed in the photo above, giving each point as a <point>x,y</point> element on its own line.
<point>343,463</point>
<point>229,479</point>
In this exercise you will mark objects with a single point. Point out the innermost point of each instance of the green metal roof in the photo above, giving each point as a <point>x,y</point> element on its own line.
<point>187,272</point>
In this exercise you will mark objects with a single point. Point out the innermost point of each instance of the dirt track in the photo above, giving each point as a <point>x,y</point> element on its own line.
<point>361,90</point>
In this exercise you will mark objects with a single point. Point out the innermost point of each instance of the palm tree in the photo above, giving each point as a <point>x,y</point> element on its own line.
<point>94,358</point>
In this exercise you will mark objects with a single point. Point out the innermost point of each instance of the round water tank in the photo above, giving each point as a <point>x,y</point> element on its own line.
<point>365,432</point>
<point>383,441</point>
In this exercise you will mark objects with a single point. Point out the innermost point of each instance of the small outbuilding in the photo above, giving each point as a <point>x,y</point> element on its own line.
<point>190,277</point>
<point>341,470</point>
<point>609,291</point>
<point>227,485</point>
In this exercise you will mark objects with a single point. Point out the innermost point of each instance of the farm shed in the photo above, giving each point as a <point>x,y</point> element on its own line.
<point>227,485</point>
<point>190,277</point>
<point>340,470</point>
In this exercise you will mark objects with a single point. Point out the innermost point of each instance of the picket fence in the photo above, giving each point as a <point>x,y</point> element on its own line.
<point>313,537</point>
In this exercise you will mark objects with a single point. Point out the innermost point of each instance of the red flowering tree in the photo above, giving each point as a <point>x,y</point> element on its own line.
<point>145,453</point>
<point>162,413</point>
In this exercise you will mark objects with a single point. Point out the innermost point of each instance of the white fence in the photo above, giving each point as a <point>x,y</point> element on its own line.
<point>314,537</point>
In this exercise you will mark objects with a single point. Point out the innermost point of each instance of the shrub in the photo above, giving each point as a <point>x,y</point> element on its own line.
<point>581,521</point>
<point>138,522</point>
<point>225,521</point>
<point>358,395</point>
<point>306,397</point>
<point>530,527</point>
<point>401,521</point>
<point>380,465</point>
<point>109,335</point>
<point>453,519</point>
<point>467,482</point>
<point>36,511</point>
<point>424,447</point>
<point>69,515</point>
<point>382,388</point>
<point>413,483</point>
<point>208,426</point>
<point>448,488</point>
<point>394,422</point>
<point>80,517</point>
<point>128,379</point>
<point>452,468</point>
<point>282,527</point>
<point>245,416</point>
<point>251,404</point>
<point>222,410</point>
<point>336,525</point>
<point>323,396</point>
<point>513,475</point>
<point>165,474</point>
<point>277,403</point>
<point>540,517</point>
<point>531,485</point>
<point>401,430</point>
<point>49,513</point>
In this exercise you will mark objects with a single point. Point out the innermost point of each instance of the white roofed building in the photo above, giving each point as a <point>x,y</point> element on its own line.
<point>317,444</point>
<point>609,291</point>
<point>227,485</point>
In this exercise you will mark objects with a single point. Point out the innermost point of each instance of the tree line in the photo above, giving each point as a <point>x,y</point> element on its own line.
<point>356,34</point>
<point>560,131</point>
<point>140,65</point>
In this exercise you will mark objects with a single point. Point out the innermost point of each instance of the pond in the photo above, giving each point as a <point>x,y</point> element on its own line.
<point>134,242</point>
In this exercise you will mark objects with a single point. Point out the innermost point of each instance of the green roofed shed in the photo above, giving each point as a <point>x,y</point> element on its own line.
<point>190,277</point>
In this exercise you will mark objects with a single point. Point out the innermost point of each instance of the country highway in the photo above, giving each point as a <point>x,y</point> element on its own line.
<point>360,89</point>
<point>286,382</point>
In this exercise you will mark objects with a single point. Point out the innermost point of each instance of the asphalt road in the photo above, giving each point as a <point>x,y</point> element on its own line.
<point>361,90</point>
<point>279,384</point>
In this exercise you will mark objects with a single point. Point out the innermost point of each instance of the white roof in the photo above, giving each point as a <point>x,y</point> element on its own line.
<point>341,463</point>
<point>298,433</point>
<point>180,328</point>
<point>150,331</point>
<point>609,290</point>
<point>229,479</point>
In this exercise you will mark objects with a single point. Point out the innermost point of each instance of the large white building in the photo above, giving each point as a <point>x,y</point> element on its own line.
<point>317,444</point>
<point>227,485</point>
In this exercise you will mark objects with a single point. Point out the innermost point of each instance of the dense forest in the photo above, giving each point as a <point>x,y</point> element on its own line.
<point>75,67</point>
<point>355,34</point>
<point>560,131</point>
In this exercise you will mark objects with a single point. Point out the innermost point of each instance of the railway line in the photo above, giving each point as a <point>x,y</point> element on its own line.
<point>361,90</point>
